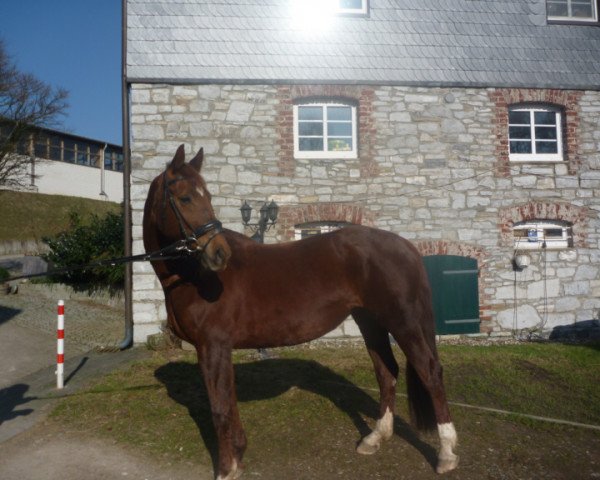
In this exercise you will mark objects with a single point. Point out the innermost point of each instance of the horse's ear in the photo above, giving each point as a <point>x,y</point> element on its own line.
<point>178,159</point>
<point>196,162</point>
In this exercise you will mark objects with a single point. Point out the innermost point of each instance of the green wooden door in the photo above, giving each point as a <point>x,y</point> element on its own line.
<point>455,293</point>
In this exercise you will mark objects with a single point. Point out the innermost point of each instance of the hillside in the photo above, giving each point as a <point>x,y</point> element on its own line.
<point>31,216</point>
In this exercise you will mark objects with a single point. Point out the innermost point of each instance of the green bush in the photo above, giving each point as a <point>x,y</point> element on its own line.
<point>100,239</point>
<point>4,274</point>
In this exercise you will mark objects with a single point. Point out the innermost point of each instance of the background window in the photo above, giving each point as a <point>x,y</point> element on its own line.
<point>534,134</point>
<point>325,130</point>
<point>578,10</point>
<point>352,6</point>
<point>311,229</point>
<point>538,234</point>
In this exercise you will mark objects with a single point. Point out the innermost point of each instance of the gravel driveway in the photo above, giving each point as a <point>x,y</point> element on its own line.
<point>44,450</point>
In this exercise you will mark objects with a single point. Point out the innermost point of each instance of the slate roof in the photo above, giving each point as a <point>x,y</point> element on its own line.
<point>405,42</point>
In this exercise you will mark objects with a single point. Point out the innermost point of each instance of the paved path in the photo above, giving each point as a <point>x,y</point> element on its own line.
<point>32,448</point>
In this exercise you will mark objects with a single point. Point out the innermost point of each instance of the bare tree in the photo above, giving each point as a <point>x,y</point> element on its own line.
<point>26,104</point>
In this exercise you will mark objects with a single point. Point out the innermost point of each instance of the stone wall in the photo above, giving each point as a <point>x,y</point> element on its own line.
<point>432,166</point>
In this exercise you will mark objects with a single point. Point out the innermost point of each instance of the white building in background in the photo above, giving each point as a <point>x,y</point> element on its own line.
<point>65,164</point>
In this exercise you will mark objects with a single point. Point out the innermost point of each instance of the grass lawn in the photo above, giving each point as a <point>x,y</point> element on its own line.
<point>305,411</point>
<point>31,216</point>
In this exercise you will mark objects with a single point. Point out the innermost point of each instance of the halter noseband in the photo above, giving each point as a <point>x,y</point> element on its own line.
<point>214,226</point>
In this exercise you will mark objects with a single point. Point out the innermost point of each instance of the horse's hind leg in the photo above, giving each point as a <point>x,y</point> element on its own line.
<point>427,396</point>
<point>386,371</point>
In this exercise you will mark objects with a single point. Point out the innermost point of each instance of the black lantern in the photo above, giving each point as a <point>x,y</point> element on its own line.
<point>246,212</point>
<point>267,218</point>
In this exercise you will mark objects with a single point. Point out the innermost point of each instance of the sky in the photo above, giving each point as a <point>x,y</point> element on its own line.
<point>76,45</point>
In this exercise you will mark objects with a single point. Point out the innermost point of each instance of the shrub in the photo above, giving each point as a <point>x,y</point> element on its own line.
<point>82,244</point>
<point>4,274</point>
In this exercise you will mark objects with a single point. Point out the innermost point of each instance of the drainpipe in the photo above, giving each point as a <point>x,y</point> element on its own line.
<point>102,172</point>
<point>128,339</point>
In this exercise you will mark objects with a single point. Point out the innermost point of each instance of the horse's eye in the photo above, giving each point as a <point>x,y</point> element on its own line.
<point>185,199</point>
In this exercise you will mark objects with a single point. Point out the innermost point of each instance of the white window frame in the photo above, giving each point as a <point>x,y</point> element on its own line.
<point>534,156</point>
<point>325,153</point>
<point>532,235</point>
<point>363,10</point>
<point>570,17</point>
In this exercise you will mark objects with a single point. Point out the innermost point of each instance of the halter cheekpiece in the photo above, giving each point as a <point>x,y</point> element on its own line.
<point>213,226</point>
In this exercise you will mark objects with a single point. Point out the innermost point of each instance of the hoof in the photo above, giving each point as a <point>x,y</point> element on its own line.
<point>447,464</point>
<point>234,473</point>
<point>368,446</point>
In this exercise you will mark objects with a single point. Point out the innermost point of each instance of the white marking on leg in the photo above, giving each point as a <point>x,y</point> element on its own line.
<point>233,473</point>
<point>384,429</point>
<point>447,460</point>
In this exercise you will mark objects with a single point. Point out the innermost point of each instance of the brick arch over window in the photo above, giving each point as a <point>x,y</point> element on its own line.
<point>566,100</point>
<point>575,215</point>
<point>290,216</point>
<point>363,96</point>
<point>445,247</point>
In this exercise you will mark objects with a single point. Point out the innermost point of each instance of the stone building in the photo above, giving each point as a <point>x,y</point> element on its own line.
<point>470,127</point>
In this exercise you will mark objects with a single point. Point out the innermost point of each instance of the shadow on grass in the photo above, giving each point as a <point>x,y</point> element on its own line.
<point>267,379</point>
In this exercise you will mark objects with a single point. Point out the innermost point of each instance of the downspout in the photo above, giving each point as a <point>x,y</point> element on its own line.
<point>102,172</point>
<point>128,339</point>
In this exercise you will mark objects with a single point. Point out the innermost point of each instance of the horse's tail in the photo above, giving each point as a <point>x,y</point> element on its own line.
<point>420,404</point>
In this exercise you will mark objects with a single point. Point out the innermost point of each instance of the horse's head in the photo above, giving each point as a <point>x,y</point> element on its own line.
<point>182,210</point>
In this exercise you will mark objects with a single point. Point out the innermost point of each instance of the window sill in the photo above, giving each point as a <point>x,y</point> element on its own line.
<point>536,160</point>
<point>324,156</point>
<point>569,21</point>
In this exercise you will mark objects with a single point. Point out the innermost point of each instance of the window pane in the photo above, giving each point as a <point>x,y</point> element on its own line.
<point>519,132</point>
<point>558,9</point>
<point>69,151</point>
<point>310,113</point>
<point>545,133</point>
<point>553,232</point>
<point>339,144</point>
<point>546,147</point>
<point>545,118</point>
<point>310,128</point>
<point>519,118</point>
<point>351,4</point>
<point>119,162</point>
<point>311,144</point>
<point>582,10</point>
<point>339,113</point>
<point>520,147</point>
<point>339,129</point>
<point>54,153</point>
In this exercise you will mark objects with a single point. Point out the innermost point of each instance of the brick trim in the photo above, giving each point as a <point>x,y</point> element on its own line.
<point>445,247</point>
<point>363,96</point>
<point>567,100</point>
<point>575,215</point>
<point>290,216</point>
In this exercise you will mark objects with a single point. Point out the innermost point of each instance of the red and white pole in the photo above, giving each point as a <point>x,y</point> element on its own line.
<point>60,346</point>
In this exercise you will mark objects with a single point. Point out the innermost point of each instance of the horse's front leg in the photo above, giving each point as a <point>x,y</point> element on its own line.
<point>217,370</point>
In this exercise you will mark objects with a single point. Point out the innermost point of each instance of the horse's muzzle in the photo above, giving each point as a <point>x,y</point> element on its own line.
<point>216,254</point>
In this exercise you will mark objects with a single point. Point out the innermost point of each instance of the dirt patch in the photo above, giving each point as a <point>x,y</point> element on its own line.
<point>47,452</point>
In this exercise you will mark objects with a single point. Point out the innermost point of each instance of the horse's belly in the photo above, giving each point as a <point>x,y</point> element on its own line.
<point>293,327</point>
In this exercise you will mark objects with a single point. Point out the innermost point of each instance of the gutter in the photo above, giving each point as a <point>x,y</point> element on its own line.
<point>128,338</point>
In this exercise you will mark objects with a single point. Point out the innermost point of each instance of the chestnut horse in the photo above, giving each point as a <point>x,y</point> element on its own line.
<point>232,292</point>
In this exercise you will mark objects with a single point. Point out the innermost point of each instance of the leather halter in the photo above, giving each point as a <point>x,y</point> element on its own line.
<point>213,226</point>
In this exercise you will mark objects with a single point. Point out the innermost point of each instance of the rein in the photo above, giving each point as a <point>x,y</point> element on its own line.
<point>187,246</point>
<point>174,251</point>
